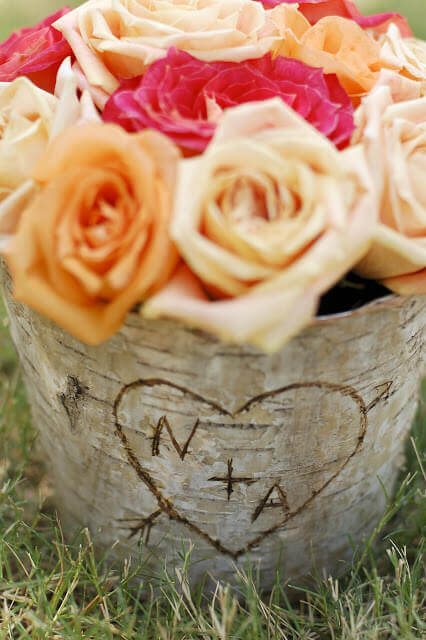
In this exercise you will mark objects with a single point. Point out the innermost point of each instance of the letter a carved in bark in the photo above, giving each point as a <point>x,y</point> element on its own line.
<point>282,502</point>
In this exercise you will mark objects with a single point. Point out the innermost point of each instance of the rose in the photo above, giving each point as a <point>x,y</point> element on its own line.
<point>395,138</point>
<point>94,241</point>
<point>337,45</point>
<point>35,52</point>
<point>99,96</point>
<point>75,106</point>
<point>26,118</point>
<point>315,10</point>
<point>29,118</point>
<point>184,97</point>
<point>407,55</point>
<point>401,87</point>
<point>267,220</point>
<point>121,39</point>
<point>417,48</point>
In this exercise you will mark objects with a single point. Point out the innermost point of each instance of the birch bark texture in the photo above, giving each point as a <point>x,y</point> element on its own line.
<point>163,436</point>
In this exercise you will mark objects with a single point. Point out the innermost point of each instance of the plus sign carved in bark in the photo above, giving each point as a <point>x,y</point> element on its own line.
<point>230,480</point>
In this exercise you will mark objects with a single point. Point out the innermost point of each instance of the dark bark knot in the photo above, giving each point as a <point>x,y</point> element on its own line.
<point>72,399</point>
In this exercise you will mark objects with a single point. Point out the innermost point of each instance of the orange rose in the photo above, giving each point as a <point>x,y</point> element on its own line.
<point>94,241</point>
<point>337,45</point>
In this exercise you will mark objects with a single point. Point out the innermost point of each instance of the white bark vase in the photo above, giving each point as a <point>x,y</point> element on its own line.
<point>164,434</point>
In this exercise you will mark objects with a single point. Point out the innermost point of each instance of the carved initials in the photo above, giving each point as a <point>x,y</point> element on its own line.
<point>282,502</point>
<point>277,501</point>
<point>163,422</point>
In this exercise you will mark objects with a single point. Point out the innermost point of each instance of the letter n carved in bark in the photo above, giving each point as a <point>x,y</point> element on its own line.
<point>182,451</point>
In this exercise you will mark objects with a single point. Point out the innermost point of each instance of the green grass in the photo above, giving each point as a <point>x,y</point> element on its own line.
<point>414,10</point>
<point>17,13</point>
<point>53,590</point>
<point>27,12</point>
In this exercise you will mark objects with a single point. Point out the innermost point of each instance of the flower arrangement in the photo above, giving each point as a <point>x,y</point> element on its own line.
<point>225,163</point>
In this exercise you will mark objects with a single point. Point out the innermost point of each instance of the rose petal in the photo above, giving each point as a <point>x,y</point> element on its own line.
<point>409,285</point>
<point>35,52</point>
<point>174,94</point>
<point>315,10</point>
<point>11,209</point>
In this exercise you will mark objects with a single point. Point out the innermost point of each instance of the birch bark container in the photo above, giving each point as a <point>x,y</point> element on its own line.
<point>163,436</point>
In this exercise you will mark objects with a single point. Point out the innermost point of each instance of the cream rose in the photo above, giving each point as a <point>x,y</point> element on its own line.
<point>401,87</point>
<point>267,219</point>
<point>407,55</point>
<point>115,39</point>
<point>29,119</point>
<point>395,139</point>
<point>26,118</point>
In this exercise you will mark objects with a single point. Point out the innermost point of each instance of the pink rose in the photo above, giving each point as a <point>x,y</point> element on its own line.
<point>184,97</point>
<point>35,52</point>
<point>314,10</point>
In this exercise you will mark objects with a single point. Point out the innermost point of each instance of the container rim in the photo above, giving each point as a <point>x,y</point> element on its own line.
<point>389,301</point>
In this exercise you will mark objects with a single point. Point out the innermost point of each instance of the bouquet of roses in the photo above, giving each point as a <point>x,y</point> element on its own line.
<point>221,162</point>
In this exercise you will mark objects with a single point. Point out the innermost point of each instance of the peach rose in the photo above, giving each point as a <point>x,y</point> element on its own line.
<point>94,241</point>
<point>406,55</point>
<point>121,38</point>
<point>267,220</point>
<point>395,139</point>
<point>336,44</point>
<point>30,118</point>
<point>288,23</point>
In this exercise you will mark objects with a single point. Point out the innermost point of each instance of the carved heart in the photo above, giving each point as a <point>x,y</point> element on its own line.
<point>244,465</point>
